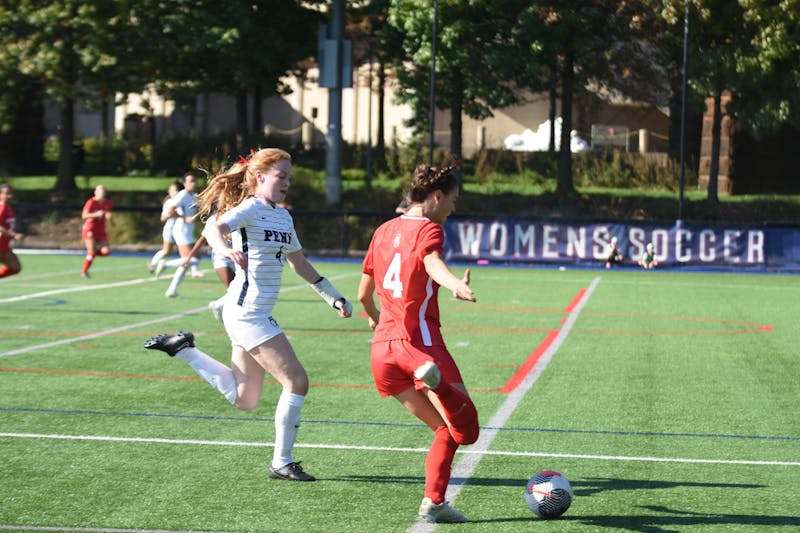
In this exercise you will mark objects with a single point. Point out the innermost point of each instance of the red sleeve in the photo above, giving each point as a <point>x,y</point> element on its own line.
<point>431,239</point>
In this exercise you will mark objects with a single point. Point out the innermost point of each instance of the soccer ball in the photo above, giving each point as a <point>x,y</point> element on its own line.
<point>548,494</point>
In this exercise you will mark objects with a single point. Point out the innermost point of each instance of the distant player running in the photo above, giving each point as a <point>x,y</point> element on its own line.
<point>8,259</point>
<point>404,266</point>
<point>264,240</point>
<point>96,211</point>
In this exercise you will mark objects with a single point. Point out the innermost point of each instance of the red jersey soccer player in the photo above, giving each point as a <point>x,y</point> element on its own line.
<point>95,213</point>
<point>404,266</point>
<point>8,259</point>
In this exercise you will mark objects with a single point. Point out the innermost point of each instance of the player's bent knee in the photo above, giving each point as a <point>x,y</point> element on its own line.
<point>466,435</point>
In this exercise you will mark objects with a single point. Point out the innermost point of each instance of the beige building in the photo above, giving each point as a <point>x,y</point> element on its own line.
<point>302,116</point>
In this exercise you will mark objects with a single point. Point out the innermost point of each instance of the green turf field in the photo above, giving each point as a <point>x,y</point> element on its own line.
<point>669,400</point>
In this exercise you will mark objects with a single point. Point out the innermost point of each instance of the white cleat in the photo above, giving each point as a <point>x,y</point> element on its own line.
<point>171,294</point>
<point>439,514</point>
<point>429,374</point>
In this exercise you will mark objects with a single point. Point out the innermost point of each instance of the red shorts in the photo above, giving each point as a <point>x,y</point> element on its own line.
<point>98,236</point>
<point>394,362</point>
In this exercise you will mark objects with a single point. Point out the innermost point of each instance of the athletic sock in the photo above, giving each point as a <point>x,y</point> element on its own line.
<point>215,373</point>
<point>177,278</point>
<point>460,413</point>
<point>156,258</point>
<point>174,263</point>
<point>87,262</point>
<point>438,463</point>
<point>287,422</point>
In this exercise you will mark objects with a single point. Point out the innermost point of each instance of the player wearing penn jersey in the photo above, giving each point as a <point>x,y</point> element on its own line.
<point>263,241</point>
<point>404,266</point>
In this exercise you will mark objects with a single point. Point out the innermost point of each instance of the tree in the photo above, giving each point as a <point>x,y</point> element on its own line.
<point>599,43</point>
<point>476,57</point>
<point>233,47</point>
<point>73,50</point>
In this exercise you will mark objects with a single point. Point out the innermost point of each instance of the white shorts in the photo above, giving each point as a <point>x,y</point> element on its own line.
<point>248,329</point>
<point>220,261</point>
<point>183,232</point>
<point>166,233</point>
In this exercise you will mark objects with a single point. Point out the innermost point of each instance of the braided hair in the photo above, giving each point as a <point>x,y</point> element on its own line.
<point>428,179</point>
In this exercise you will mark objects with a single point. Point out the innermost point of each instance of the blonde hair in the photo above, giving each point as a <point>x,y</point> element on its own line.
<point>231,186</point>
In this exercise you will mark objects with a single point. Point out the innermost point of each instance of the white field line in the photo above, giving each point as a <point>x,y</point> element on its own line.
<point>129,326</point>
<point>464,469</point>
<point>95,529</point>
<point>467,452</point>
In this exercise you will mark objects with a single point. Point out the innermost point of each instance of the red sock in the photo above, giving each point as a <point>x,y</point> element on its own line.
<point>87,263</point>
<point>460,412</point>
<point>438,463</point>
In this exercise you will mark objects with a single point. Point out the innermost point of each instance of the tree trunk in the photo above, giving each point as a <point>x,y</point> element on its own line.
<point>65,180</point>
<point>716,128</point>
<point>552,111</point>
<point>257,107</point>
<point>565,186</point>
<point>456,129</point>
<point>241,122</point>
<point>379,161</point>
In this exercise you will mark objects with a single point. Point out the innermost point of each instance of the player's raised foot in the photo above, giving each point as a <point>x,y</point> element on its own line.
<point>441,514</point>
<point>197,274</point>
<point>149,267</point>
<point>171,293</point>
<point>159,267</point>
<point>429,374</point>
<point>290,472</point>
<point>171,344</point>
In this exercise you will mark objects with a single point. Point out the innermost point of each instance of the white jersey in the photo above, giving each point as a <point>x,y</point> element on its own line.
<point>185,205</point>
<point>265,234</point>
<point>169,224</point>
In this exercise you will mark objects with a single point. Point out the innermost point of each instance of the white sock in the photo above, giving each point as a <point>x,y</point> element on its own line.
<point>177,278</point>
<point>156,257</point>
<point>174,263</point>
<point>215,373</point>
<point>287,421</point>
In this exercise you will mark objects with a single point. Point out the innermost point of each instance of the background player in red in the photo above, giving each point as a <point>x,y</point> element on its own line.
<point>404,266</point>
<point>96,211</point>
<point>8,259</point>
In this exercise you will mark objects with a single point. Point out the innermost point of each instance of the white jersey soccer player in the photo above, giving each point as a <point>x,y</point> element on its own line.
<point>265,234</point>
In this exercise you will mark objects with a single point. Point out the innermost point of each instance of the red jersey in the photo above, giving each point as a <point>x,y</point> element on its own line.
<point>7,222</point>
<point>96,225</point>
<point>408,296</point>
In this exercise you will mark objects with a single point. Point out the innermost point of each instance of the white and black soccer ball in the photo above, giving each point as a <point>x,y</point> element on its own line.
<point>548,494</point>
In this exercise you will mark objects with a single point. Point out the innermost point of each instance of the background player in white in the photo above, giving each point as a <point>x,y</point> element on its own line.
<point>168,217</point>
<point>183,232</point>
<point>263,241</point>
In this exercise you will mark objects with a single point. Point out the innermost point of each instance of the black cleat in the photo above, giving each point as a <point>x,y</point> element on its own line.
<point>171,344</point>
<point>290,472</point>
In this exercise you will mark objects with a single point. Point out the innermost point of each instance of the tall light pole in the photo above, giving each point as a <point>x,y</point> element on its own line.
<point>432,119</point>
<point>683,109</point>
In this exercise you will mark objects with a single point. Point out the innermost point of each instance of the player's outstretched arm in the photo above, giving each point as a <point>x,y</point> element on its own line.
<point>322,286</point>
<point>441,274</point>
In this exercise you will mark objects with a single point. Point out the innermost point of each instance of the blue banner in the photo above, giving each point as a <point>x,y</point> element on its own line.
<point>730,246</point>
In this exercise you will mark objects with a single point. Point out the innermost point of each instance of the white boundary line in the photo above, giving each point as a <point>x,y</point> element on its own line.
<point>129,326</point>
<point>464,469</point>
<point>467,453</point>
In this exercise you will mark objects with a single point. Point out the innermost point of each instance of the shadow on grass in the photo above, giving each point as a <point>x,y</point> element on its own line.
<point>667,519</point>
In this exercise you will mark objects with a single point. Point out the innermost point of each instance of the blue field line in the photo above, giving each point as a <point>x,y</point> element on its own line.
<point>392,424</point>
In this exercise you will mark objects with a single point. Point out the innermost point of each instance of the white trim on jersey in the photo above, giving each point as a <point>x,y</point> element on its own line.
<point>423,325</point>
